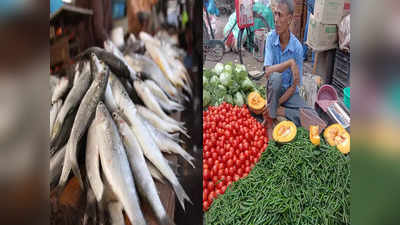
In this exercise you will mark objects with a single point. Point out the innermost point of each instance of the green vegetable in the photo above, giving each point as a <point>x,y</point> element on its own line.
<point>228,69</point>
<point>229,99</point>
<point>247,85</point>
<point>205,82</point>
<point>239,68</point>
<point>238,99</point>
<point>206,98</point>
<point>225,79</point>
<point>219,67</point>
<point>295,183</point>
<point>214,81</point>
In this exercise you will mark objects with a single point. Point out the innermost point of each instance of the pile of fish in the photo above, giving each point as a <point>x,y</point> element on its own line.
<point>111,122</point>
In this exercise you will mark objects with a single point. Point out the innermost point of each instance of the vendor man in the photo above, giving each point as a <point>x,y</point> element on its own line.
<point>283,66</point>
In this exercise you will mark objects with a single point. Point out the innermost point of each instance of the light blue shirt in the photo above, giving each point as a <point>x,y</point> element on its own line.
<point>274,55</point>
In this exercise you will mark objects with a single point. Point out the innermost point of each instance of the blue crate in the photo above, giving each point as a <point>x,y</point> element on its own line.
<point>118,9</point>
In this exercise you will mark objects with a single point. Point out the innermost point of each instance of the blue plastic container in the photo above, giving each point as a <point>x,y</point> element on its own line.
<point>118,9</point>
<point>346,98</point>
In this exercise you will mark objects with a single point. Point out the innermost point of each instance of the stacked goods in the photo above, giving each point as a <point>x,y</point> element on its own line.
<point>228,83</point>
<point>322,30</point>
<point>295,26</point>
<point>294,183</point>
<point>233,142</point>
<point>111,128</point>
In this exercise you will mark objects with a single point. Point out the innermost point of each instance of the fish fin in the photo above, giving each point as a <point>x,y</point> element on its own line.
<point>181,195</point>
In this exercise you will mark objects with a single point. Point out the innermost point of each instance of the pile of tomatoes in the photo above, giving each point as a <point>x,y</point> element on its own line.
<point>233,142</point>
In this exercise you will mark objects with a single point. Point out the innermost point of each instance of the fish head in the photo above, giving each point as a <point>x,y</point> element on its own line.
<point>101,111</point>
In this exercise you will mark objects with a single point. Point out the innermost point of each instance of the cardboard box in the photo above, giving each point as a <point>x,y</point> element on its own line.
<point>321,37</point>
<point>346,8</point>
<point>328,11</point>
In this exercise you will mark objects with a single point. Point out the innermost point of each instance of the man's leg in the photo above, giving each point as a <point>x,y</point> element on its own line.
<point>273,94</point>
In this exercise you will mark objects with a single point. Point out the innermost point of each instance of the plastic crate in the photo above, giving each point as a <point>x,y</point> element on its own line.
<point>342,63</point>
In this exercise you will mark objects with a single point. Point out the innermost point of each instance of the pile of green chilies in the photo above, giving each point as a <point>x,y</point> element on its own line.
<point>294,183</point>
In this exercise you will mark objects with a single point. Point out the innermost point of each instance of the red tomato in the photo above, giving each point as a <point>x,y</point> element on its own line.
<point>229,163</point>
<point>210,186</point>
<point>236,177</point>
<point>240,171</point>
<point>231,171</point>
<point>247,170</point>
<point>215,179</point>
<point>223,189</point>
<point>205,194</point>
<point>228,178</point>
<point>206,205</point>
<point>206,174</point>
<point>219,185</point>
<point>211,196</point>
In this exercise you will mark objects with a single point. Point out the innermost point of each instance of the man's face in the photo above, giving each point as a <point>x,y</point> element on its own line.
<point>282,18</point>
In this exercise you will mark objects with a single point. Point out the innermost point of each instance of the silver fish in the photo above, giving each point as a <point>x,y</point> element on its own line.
<point>150,101</point>
<point>154,171</point>
<point>147,66</point>
<point>93,161</point>
<point>144,181</point>
<point>55,108</point>
<point>162,98</point>
<point>150,148</point>
<point>116,167</point>
<point>56,165</point>
<point>61,89</point>
<point>74,96</point>
<point>158,122</point>
<point>83,118</point>
<point>167,145</point>
<point>109,98</point>
<point>160,59</point>
<point>110,47</point>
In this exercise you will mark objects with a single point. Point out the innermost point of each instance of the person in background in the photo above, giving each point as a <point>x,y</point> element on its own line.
<point>95,30</point>
<point>283,66</point>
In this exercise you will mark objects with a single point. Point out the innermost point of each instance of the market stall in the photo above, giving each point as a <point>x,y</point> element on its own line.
<point>302,175</point>
<point>121,146</point>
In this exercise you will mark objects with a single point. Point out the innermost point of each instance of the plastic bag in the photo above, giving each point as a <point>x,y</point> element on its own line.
<point>344,34</point>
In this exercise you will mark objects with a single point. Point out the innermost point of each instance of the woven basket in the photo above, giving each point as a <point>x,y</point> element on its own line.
<point>307,118</point>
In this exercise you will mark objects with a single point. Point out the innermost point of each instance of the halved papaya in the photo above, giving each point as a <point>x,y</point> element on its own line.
<point>337,136</point>
<point>284,132</point>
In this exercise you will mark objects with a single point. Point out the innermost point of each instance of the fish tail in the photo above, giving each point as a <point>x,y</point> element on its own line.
<point>165,220</point>
<point>187,157</point>
<point>64,175</point>
<point>181,194</point>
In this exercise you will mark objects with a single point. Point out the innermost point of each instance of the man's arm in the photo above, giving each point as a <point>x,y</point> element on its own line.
<point>278,67</point>
<point>296,81</point>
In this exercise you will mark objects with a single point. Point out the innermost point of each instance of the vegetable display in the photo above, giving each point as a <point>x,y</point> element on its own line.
<point>294,183</point>
<point>232,143</point>
<point>228,83</point>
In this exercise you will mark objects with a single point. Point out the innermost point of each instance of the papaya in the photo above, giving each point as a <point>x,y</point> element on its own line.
<point>284,132</point>
<point>337,136</point>
<point>256,102</point>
